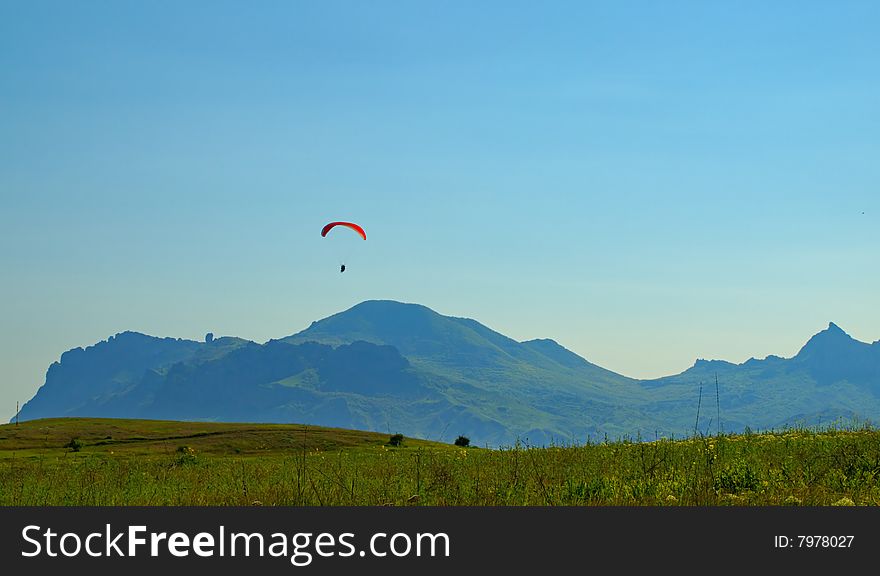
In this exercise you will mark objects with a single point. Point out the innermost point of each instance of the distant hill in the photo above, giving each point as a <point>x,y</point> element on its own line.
<point>391,367</point>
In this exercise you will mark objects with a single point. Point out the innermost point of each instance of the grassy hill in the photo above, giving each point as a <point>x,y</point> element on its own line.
<point>104,436</point>
<point>132,462</point>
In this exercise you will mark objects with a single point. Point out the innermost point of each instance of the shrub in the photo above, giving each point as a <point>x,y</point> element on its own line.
<point>396,440</point>
<point>75,445</point>
<point>185,455</point>
<point>463,441</point>
<point>736,478</point>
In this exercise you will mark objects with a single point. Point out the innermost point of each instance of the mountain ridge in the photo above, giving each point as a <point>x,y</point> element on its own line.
<point>382,365</point>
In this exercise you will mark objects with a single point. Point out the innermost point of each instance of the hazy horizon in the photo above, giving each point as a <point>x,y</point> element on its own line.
<point>646,184</point>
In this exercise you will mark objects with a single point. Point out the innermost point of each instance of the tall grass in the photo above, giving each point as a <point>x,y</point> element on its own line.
<point>789,467</point>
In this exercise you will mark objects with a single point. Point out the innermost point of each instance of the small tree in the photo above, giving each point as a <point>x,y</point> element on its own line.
<point>396,440</point>
<point>75,445</point>
<point>463,441</point>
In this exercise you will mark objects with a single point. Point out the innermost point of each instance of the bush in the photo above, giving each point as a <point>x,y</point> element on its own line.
<point>736,478</point>
<point>463,441</point>
<point>75,445</point>
<point>396,440</point>
<point>185,455</point>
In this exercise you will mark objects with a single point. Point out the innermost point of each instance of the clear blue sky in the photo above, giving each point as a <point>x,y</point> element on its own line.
<point>645,182</point>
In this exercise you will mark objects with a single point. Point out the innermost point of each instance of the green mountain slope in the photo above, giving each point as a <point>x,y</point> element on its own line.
<point>539,389</point>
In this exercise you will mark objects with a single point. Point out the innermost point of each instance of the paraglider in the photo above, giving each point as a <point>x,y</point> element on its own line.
<point>357,228</point>
<point>351,225</point>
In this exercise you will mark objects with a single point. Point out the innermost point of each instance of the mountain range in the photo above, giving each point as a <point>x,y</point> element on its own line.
<point>403,368</point>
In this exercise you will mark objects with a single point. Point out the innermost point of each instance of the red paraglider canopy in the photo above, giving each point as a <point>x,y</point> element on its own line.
<point>351,225</point>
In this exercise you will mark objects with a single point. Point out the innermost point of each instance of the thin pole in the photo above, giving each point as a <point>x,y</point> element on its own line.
<point>699,402</point>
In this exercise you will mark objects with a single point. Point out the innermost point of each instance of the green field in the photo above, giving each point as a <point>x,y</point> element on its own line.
<point>143,462</point>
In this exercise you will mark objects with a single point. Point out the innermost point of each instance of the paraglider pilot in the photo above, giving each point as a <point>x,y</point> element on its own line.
<point>342,269</point>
